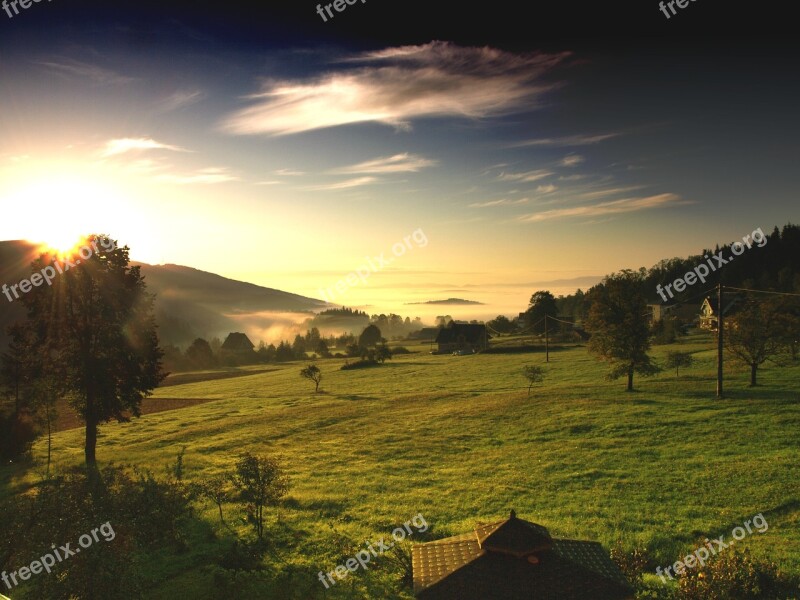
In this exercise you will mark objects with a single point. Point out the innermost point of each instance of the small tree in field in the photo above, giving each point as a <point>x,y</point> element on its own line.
<point>676,360</point>
<point>312,373</point>
<point>754,335</point>
<point>533,374</point>
<point>382,352</point>
<point>260,482</point>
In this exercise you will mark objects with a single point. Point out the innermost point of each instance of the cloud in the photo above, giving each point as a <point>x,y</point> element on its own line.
<point>546,189</point>
<point>344,185</point>
<point>569,140</point>
<point>396,85</point>
<point>606,208</point>
<point>178,100</point>
<point>123,145</point>
<point>210,175</point>
<point>289,172</point>
<point>501,202</point>
<point>399,163</point>
<point>525,177</point>
<point>75,68</point>
<point>572,160</point>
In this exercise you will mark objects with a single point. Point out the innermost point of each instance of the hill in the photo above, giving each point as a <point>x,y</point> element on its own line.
<point>189,303</point>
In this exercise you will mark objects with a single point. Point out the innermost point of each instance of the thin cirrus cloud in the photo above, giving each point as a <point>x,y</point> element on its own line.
<point>73,68</point>
<point>568,140</point>
<point>210,175</point>
<point>501,202</point>
<point>572,160</point>
<point>399,163</point>
<point>396,85</point>
<point>613,207</point>
<point>525,177</point>
<point>344,185</point>
<point>178,100</point>
<point>125,145</point>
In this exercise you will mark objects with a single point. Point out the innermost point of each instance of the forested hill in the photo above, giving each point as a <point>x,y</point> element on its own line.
<point>774,265</point>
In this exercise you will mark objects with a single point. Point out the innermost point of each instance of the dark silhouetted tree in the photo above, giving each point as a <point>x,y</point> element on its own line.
<point>312,373</point>
<point>618,322</point>
<point>97,320</point>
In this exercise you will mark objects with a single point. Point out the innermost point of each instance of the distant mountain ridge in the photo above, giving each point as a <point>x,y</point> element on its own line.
<point>190,303</point>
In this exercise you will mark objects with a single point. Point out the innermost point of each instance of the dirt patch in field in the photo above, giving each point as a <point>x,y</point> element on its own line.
<point>67,419</point>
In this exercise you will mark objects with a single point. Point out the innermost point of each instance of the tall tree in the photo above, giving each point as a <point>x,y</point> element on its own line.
<point>370,336</point>
<point>96,321</point>
<point>541,303</point>
<point>619,326</point>
<point>200,355</point>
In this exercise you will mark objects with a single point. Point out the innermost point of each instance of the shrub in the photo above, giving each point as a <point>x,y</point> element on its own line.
<point>734,575</point>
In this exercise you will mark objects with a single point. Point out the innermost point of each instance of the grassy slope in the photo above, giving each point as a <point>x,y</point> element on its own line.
<point>457,439</point>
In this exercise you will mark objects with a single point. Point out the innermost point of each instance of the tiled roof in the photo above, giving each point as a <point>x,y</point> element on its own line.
<point>514,536</point>
<point>459,568</point>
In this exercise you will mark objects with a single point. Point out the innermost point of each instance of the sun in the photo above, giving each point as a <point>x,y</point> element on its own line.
<point>59,212</point>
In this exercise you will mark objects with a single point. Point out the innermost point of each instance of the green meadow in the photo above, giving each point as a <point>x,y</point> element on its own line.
<point>458,440</point>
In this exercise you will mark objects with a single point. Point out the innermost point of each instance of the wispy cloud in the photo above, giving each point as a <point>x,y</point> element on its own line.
<point>289,172</point>
<point>74,68</point>
<point>399,163</point>
<point>613,207</point>
<point>123,145</point>
<point>397,85</point>
<point>569,140</point>
<point>546,189</point>
<point>344,185</point>
<point>210,175</point>
<point>527,176</point>
<point>572,160</point>
<point>178,100</point>
<point>501,202</point>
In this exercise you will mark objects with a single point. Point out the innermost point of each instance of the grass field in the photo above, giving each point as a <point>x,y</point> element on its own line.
<point>457,439</point>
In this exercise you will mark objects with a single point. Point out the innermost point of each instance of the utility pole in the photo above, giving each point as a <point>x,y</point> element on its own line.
<point>720,328</point>
<point>546,341</point>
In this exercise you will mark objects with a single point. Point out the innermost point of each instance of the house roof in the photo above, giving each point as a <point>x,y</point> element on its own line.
<point>473,333</point>
<point>237,342</point>
<point>731,302</point>
<point>515,560</point>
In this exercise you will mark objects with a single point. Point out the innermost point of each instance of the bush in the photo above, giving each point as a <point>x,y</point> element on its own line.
<point>735,575</point>
<point>140,514</point>
<point>400,350</point>
<point>17,435</point>
<point>359,364</point>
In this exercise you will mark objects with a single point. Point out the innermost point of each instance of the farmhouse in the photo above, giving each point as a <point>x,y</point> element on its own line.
<point>709,313</point>
<point>515,560</point>
<point>463,336</point>
<point>238,342</point>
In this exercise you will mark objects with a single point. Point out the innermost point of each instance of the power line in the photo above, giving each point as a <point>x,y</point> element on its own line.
<point>727,287</point>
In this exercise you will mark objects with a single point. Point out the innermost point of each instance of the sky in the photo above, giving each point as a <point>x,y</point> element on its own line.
<point>511,155</point>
